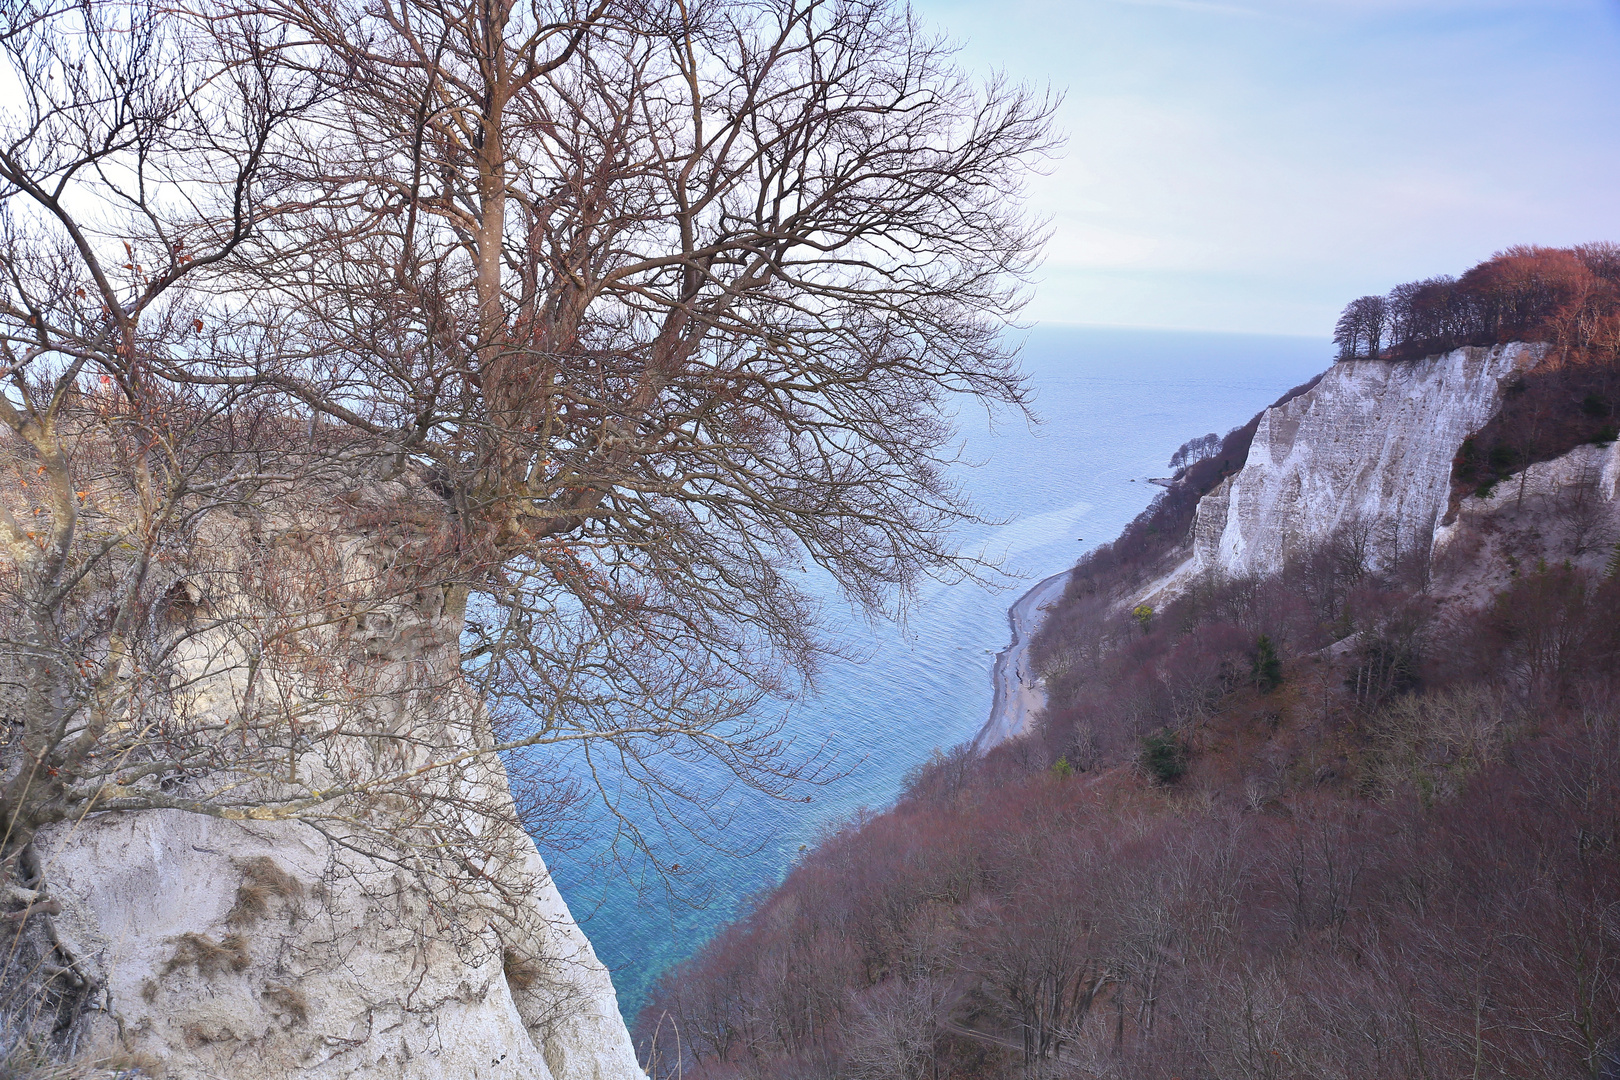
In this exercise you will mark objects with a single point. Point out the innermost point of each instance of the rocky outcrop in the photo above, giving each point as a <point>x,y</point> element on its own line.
<point>264,950</point>
<point>1364,456</point>
<point>1368,449</point>
<point>1566,510</point>
<point>416,935</point>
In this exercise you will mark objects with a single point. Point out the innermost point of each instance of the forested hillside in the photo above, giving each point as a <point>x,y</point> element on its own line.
<point>1356,818</point>
<point>1399,861</point>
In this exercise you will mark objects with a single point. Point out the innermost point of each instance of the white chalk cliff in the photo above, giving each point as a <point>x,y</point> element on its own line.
<point>1365,456</point>
<point>1367,451</point>
<point>269,949</point>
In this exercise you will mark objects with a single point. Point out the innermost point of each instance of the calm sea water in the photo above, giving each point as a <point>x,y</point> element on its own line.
<point>1115,403</point>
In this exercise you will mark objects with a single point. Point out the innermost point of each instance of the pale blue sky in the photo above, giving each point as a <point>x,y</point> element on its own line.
<point>1253,165</point>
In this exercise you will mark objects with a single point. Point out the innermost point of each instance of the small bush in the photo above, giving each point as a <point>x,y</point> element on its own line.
<point>208,956</point>
<point>1164,756</point>
<point>522,972</point>
<point>288,1001</point>
<point>262,880</point>
<point>1383,669</point>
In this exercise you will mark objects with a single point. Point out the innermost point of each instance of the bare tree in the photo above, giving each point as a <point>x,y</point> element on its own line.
<point>667,303</point>
<point>567,333</point>
<point>1195,450</point>
<point>1365,322</point>
<point>896,1028</point>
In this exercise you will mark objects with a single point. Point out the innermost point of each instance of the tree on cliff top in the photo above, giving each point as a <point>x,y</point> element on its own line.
<point>640,305</point>
<point>1362,325</point>
<point>1569,297</point>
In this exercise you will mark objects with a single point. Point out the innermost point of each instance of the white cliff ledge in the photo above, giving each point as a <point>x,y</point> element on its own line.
<point>347,972</point>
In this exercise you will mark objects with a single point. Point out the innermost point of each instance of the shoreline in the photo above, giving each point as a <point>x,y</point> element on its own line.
<point>1018,695</point>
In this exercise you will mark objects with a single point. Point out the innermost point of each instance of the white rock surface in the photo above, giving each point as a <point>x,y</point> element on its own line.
<point>351,975</point>
<point>420,938</point>
<point>1367,451</point>
<point>1572,500</point>
<point>1566,510</point>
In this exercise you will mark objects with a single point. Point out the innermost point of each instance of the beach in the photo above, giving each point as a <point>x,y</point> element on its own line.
<point>1018,694</point>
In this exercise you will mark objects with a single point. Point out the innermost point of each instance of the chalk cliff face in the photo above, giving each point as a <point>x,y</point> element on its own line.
<point>1563,510</point>
<point>262,949</point>
<point>1366,453</point>
<point>348,972</point>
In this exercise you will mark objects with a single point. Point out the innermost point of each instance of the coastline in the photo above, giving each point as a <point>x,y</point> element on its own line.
<point>1018,695</point>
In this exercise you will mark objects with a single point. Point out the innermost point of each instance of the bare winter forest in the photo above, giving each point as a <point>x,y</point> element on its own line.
<point>1330,822</point>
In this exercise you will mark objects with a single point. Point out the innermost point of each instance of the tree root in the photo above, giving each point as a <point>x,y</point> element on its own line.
<point>70,969</point>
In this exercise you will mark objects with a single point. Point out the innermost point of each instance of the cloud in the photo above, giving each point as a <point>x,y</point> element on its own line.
<point>1238,173</point>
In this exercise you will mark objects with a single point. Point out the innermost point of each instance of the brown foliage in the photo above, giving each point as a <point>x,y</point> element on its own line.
<point>288,1001</point>
<point>1415,882</point>
<point>1526,293</point>
<point>1568,298</point>
<point>262,882</point>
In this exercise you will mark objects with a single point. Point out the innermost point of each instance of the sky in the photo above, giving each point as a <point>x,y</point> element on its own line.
<point>1253,165</point>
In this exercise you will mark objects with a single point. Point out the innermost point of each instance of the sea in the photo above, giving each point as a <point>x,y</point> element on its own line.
<point>1113,404</point>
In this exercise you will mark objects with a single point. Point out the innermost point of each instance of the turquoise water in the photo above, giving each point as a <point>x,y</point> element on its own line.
<point>1115,403</point>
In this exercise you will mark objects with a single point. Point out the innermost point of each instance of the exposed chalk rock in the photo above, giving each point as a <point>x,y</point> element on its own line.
<point>1369,447</point>
<point>416,937</point>
<point>349,971</point>
<point>1365,454</point>
<point>1572,497</point>
<point>1566,510</point>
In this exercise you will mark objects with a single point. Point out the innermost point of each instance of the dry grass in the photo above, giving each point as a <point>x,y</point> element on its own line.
<point>522,972</point>
<point>262,882</point>
<point>23,1063</point>
<point>288,1001</point>
<point>208,956</point>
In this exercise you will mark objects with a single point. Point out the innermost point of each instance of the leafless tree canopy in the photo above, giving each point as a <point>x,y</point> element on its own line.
<point>569,331</point>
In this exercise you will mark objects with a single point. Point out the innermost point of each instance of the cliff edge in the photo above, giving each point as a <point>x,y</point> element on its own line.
<point>409,930</point>
<point>1364,456</point>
